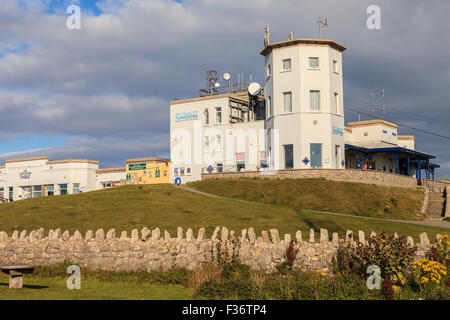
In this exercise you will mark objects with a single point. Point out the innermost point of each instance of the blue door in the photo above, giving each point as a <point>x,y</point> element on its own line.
<point>316,155</point>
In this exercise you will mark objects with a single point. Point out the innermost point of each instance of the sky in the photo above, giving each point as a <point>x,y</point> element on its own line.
<point>103,92</point>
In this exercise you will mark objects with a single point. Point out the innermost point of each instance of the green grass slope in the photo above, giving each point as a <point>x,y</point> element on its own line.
<point>167,207</point>
<point>323,195</point>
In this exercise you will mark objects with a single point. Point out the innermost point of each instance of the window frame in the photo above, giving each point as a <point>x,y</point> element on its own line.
<point>283,66</point>
<point>290,102</point>
<point>218,112</point>
<point>318,63</point>
<point>318,100</point>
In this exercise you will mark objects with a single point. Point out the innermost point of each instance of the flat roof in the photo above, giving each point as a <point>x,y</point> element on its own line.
<point>26,159</point>
<point>295,42</point>
<point>391,149</point>
<point>371,123</point>
<point>73,161</point>
<point>155,159</point>
<point>111,170</point>
<point>405,137</point>
<point>243,96</point>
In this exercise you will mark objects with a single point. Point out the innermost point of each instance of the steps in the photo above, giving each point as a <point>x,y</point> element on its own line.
<point>435,209</point>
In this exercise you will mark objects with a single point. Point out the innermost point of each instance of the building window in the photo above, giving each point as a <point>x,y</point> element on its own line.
<point>219,167</point>
<point>206,116</point>
<point>335,66</point>
<point>106,185</point>
<point>315,150</point>
<point>337,155</point>
<point>287,101</point>
<point>286,64</point>
<point>268,71</point>
<point>336,103</point>
<point>219,142</point>
<point>314,99</point>
<point>11,194</point>
<point>63,189</point>
<point>50,190</point>
<point>269,107</point>
<point>218,115</point>
<point>314,62</point>
<point>37,191</point>
<point>76,188</point>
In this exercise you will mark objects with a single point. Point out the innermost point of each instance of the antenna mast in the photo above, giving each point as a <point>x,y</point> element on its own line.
<point>322,24</point>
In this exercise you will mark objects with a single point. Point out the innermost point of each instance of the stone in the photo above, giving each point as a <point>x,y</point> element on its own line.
<point>311,236</point>
<point>23,235</point>
<point>3,236</point>
<point>243,235</point>
<point>189,235</point>
<point>335,239</point>
<point>373,234</point>
<point>215,234</point>
<point>179,234</point>
<point>156,234</point>
<point>362,238</point>
<point>395,235</point>
<point>89,235</point>
<point>251,235</point>
<point>287,238</point>
<point>265,236</point>
<point>145,234</point>
<point>57,234</point>
<point>134,235</point>
<point>77,235</point>
<point>349,235</point>
<point>324,236</point>
<point>201,234</point>
<point>224,234</point>
<point>167,236</point>
<point>298,236</point>
<point>275,236</point>
<point>100,234</point>
<point>65,236</point>
<point>123,236</point>
<point>424,238</point>
<point>50,234</point>
<point>232,235</point>
<point>111,234</point>
<point>438,236</point>
<point>410,241</point>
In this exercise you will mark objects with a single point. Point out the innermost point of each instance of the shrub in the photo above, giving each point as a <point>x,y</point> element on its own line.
<point>428,273</point>
<point>389,253</point>
<point>345,260</point>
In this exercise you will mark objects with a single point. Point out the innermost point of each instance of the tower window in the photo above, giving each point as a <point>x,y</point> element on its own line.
<point>314,99</point>
<point>287,101</point>
<point>286,64</point>
<point>335,66</point>
<point>313,62</point>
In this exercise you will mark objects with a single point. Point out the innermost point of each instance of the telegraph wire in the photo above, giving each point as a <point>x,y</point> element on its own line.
<point>402,125</point>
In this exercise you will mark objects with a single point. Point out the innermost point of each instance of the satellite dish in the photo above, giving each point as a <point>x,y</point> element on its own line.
<point>216,84</point>
<point>227,76</point>
<point>254,88</point>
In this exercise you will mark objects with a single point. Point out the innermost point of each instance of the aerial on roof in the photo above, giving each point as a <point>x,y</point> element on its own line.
<point>319,42</point>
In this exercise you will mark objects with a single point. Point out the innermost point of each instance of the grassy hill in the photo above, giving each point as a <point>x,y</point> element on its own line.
<point>323,195</point>
<point>167,207</point>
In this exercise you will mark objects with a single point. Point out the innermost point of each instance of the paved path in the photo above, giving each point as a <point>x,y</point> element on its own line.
<point>429,223</point>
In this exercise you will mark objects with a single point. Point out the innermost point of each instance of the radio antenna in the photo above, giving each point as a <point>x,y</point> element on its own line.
<point>322,24</point>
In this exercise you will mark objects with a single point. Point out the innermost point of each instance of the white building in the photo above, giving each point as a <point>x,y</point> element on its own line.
<point>376,145</point>
<point>298,122</point>
<point>39,177</point>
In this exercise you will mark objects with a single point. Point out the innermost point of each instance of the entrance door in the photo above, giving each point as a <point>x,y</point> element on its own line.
<point>288,156</point>
<point>316,155</point>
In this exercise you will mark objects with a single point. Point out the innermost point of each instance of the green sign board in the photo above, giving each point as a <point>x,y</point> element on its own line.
<point>137,166</point>
<point>157,173</point>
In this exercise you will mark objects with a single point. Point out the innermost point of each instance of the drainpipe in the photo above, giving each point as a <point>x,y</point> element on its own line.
<point>407,160</point>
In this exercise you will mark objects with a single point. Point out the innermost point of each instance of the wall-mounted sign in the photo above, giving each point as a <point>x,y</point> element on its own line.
<point>137,166</point>
<point>25,175</point>
<point>338,131</point>
<point>178,180</point>
<point>343,163</point>
<point>186,116</point>
<point>305,161</point>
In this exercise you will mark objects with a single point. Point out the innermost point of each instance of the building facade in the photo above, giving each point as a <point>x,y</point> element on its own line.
<point>148,170</point>
<point>38,177</point>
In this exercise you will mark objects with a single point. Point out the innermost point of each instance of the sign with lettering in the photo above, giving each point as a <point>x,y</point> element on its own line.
<point>25,175</point>
<point>186,116</point>
<point>338,131</point>
<point>137,166</point>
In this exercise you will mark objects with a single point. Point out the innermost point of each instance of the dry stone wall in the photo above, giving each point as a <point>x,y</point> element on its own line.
<point>376,177</point>
<point>150,250</point>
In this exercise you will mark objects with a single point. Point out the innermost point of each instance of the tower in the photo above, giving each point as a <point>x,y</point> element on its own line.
<point>304,103</point>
